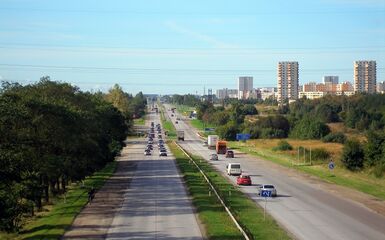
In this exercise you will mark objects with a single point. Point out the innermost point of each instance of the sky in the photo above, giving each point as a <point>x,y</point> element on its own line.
<point>174,46</point>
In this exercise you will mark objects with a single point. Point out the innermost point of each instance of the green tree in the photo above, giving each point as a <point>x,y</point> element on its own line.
<point>353,155</point>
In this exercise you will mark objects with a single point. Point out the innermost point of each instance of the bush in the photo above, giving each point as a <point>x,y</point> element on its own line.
<point>283,146</point>
<point>353,155</point>
<point>379,170</point>
<point>335,137</point>
<point>320,154</point>
<point>310,128</point>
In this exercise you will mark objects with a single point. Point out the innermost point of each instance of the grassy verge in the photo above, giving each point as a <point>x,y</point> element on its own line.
<point>361,181</point>
<point>140,121</point>
<point>217,223</point>
<point>200,126</point>
<point>53,224</point>
<point>184,110</point>
<point>167,125</point>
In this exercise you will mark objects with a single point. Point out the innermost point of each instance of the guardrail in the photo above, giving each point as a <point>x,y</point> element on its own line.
<point>216,193</point>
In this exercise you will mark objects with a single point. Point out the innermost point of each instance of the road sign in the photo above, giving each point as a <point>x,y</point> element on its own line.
<point>243,136</point>
<point>266,193</point>
<point>331,165</point>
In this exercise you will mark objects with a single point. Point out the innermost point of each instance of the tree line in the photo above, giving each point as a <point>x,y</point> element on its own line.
<point>309,119</point>
<point>53,134</point>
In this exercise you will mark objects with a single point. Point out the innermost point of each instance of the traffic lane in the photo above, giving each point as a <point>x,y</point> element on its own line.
<point>156,205</point>
<point>309,209</point>
<point>301,205</point>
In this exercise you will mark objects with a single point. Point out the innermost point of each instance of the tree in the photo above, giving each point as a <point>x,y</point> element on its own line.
<point>228,131</point>
<point>309,128</point>
<point>353,155</point>
<point>373,148</point>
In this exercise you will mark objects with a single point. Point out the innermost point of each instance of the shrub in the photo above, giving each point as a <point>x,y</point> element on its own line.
<point>335,137</point>
<point>379,170</point>
<point>310,128</point>
<point>353,155</point>
<point>283,146</point>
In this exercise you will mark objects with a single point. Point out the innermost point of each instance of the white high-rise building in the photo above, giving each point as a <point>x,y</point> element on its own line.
<point>245,85</point>
<point>365,76</point>
<point>287,81</point>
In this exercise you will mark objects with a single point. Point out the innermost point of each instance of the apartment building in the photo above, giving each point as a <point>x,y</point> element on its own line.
<point>365,76</point>
<point>287,81</point>
<point>245,85</point>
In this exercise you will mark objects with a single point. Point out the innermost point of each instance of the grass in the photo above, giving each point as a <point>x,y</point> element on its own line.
<point>361,181</point>
<point>140,121</point>
<point>217,223</point>
<point>184,110</point>
<point>167,125</point>
<point>53,224</point>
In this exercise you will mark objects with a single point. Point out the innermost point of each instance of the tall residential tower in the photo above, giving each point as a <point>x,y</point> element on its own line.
<point>287,81</point>
<point>365,76</point>
<point>245,85</point>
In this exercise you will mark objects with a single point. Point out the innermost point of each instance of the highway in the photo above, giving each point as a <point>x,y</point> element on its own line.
<point>302,207</point>
<point>156,205</point>
<point>144,199</point>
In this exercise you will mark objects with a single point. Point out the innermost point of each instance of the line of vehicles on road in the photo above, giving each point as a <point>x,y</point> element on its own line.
<point>150,141</point>
<point>234,169</point>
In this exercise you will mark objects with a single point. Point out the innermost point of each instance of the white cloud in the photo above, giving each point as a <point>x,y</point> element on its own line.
<point>198,36</point>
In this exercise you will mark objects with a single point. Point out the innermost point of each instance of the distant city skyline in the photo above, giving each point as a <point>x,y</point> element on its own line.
<point>172,46</point>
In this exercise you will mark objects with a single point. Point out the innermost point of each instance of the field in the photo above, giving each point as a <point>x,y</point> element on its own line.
<point>216,221</point>
<point>349,132</point>
<point>53,222</point>
<point>362,181</point>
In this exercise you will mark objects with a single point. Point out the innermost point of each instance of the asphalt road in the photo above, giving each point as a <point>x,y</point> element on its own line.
<point>302,206</point>
<point>144,199</point>
<point>156,205</point>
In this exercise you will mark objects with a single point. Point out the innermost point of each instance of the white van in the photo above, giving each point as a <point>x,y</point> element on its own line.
<point>234,169</point>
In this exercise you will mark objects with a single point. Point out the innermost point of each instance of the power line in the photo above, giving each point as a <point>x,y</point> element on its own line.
<point>216,13</point>
<point>183,70</point>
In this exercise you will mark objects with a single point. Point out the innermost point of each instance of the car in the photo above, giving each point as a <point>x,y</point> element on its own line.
<point>234,169</point>
<point>205,143</point>
<point>267,187</point>
<point>230,154</point>
<point>214,157</point>
<point>244,180</point>
<point>172,115</point>
<point>176,122</point>
<point>162,150</point>
<point>147,153</point>
<point>150,142</point>
<point>162,154</point>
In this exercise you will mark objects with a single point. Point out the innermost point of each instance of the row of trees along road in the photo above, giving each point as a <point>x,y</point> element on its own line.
<point>53,134</point>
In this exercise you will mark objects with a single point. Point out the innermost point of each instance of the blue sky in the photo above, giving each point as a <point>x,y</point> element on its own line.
<point>174,46</point>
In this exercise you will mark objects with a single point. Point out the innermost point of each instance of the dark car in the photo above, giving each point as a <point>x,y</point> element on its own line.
<point>163,154</point>
<point>230,154</point>
<point>244,180</point>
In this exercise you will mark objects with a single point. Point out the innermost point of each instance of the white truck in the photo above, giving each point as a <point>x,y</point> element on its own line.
<point>212,141</point>
<point>180,135</point>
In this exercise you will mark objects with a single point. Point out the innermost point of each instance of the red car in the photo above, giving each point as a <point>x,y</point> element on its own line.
<point>244,180</point>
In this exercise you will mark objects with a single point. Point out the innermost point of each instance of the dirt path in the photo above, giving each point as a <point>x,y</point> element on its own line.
<point>95,219</point>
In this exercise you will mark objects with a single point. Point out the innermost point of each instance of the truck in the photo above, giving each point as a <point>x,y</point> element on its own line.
<point>221,147</point>
<point>180,135</point>
<point>212,141</point>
